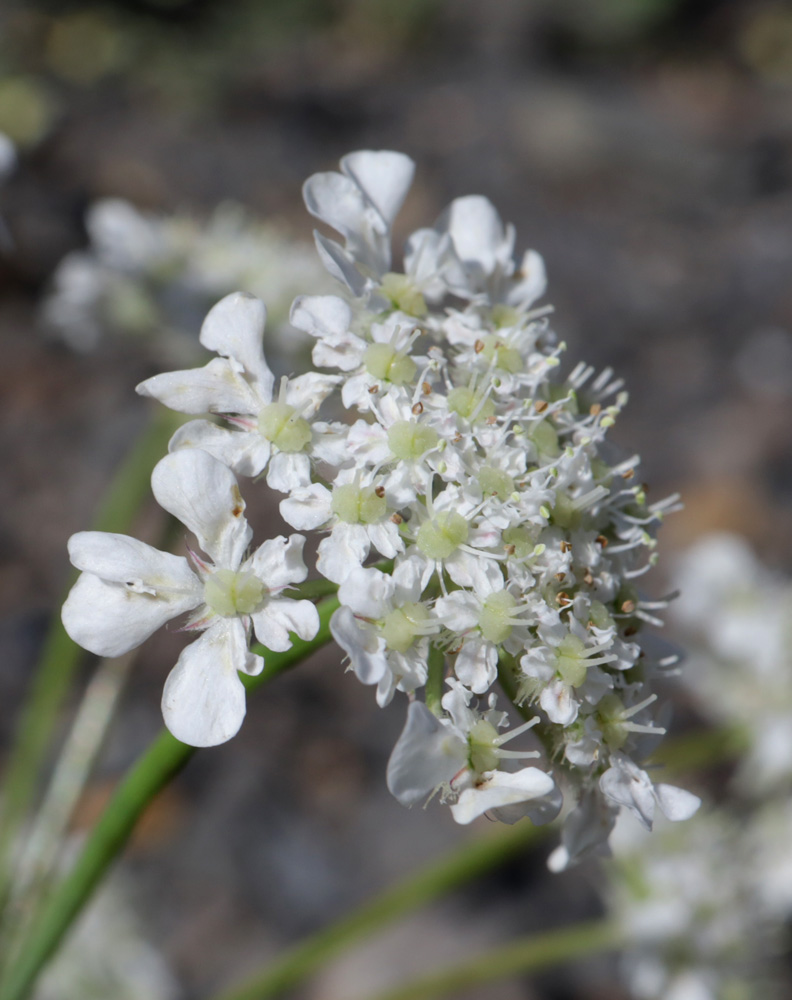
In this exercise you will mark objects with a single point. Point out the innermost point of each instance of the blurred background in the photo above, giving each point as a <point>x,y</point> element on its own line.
<point>644,147</point>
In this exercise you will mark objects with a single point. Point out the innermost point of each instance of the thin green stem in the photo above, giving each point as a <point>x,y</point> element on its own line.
<point>60,656</point>
<point>432,882</point>
<point>37,862</point>
<point>161,762</point>
<point>530,954</point>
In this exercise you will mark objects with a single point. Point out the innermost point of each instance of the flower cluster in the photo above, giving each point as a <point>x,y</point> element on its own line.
<point>153,278</point>
<point>691,933</point>
<point>478,525</point>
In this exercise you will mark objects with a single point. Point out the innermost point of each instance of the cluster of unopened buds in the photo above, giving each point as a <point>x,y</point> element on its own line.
<point>509,536</point>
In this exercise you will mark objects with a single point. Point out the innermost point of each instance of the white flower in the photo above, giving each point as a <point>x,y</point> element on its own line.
<point>460,753</point>
<point>128,589</point>
<point>356,513</point>
<point>625,784</point>
<point>272,433</point>
<point>360,203</point>
<point>384,628</point>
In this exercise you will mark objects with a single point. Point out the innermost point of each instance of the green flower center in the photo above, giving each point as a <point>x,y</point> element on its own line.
<point>495,481</point>
<point>495,620</point>
<point>356,505</point>
<point>482,752</point>
<point>384,362</point>
<point>281,424</point>
<point>400,627</point>
<point>507,358</point>
<point>442,535</point>
<point>408,440</point>
<point>466,401</point>
<point>228,593</point>
<point>403,294</point>
<point>571,660</point>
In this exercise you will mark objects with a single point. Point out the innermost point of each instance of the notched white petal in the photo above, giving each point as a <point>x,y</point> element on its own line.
<point>203,494</point>
<point>234,328</point>
<point>109,619</point>
<point>203,702</point>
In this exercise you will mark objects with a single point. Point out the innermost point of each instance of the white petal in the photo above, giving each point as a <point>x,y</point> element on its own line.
<point>477,665</point>
<point>627,785</point>
<point>676,803</point>
<point>246,452</point>
<point>203,702</point>
<point>369,592</point>
<point>306,393</point>
<point>216,388</point>
<point>125,560</point>
<point>234,328</point>
<point>384,177</point>
<point>109,619</point>
<point>307,508</point>
<point>557,700</point>
<point>338,201</point>
<point>340,264</point>
<point>427,754</point>
<point>386,539</point>
<point>322,316</point>
<point>501,788</point>
<point>280,617</point>
<point>288,471</point>
<point>361,644</point>
<point>477,232</point>
<point>459,611</point>
<point>203,494</point>
<point>533,284</point>
<point>342,551</point>
<point>279,562</point>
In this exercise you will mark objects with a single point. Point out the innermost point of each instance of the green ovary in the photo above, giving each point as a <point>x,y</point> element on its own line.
<point>280,424</point>
<point>545,438</point>
<point>466,402</point>
<point>403,294</point>
<point>441,536</point>
<point>228,593</point>
<point>356,505</point>
<point>507,358</point>
<point>483,755</point>
<point>522,540</point>
<point>571,661</point>
<point>383,361</point>
<point>565,514</point>
<point>400,627</point>
<point>610,715</point>
<point>495,481</point>
<point>494,620</point>
<point>408,441</point>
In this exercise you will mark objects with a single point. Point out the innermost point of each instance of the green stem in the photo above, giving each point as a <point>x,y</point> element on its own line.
<point>432,882</point>
<point>435,679</point>
<point>60,656</point>
<point>530,954</point>
<point>161,762</point>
